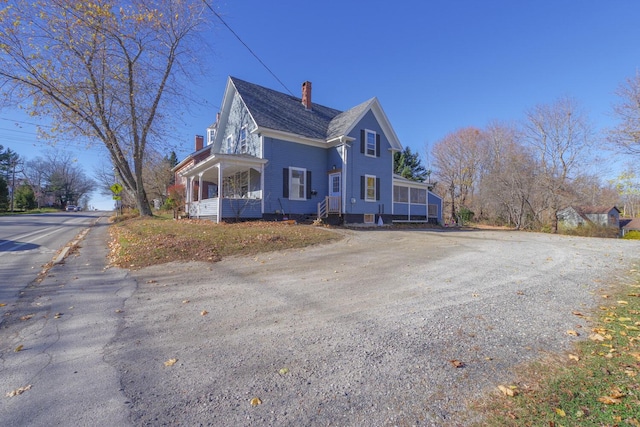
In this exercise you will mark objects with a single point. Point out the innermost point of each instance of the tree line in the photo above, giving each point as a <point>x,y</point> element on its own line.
<point>521,174</point>
<point>54,180</point>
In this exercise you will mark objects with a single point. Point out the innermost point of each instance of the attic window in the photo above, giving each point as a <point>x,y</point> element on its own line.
<point>243,139</point>
<point>370,141</point>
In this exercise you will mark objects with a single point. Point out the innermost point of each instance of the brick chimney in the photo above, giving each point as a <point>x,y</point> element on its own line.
<point>199,142</point>
<point>306,95</point>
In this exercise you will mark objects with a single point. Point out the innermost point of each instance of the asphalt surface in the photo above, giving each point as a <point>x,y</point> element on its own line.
<point>358,332</point>
<point>61,326</point>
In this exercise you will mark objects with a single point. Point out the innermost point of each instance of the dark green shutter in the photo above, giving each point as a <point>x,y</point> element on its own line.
<point>308,184</point>
<point>377,188</point>
<point>363,188</point>
<point>363,142</point>
<point>377,145</point>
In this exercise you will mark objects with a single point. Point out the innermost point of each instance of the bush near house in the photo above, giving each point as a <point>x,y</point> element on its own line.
<point>632,235</point>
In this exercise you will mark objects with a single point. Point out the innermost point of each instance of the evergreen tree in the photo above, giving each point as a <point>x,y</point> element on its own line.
<point>4,195</point>
<point>408,165</point>
<point>25,198</point>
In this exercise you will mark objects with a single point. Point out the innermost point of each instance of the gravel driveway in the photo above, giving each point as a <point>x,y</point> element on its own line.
<point>358,332</point>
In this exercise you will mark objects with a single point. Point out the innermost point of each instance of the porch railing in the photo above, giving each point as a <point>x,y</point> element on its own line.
<point>330,205</point>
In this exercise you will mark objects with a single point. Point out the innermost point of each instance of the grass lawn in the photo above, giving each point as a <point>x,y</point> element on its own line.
<point>141,242</point>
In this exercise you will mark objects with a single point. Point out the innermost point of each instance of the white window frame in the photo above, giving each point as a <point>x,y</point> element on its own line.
<point>243,139</point>
<point>301,188</point>
<point>396,194</point>
<point>367,152</point>
<point>229,140</point>
<point>367,198</point>
<point>211,136</point>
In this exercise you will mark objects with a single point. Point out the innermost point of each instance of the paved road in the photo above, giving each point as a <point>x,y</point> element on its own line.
<point>27,242</point>
<point>52,338</point>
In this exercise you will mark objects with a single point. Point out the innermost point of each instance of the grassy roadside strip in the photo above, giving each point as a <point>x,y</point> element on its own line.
<point>596,384</point>
<point>141,242</point>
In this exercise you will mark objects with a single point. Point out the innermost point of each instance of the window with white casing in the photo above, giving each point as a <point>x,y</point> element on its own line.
<point>400,194</point>
<point>297,184</point>
<point>370,188</point>
<point>370,143</point>
<point>243,139</point>
<point>229,142</point>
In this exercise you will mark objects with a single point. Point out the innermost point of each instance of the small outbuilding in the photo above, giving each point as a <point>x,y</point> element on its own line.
<point>630,225</point>
<point>577,216</point>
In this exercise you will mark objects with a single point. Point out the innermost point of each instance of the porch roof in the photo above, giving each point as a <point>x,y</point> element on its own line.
<point>235,161</point>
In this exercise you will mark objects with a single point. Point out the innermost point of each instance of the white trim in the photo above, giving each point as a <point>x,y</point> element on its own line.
<point>304,185</point>
<point>366,188</point>
<point>292,137</point>
<point>368,132</point>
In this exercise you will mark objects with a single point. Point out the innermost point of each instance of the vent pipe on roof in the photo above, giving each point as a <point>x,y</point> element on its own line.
<point>306,95</point>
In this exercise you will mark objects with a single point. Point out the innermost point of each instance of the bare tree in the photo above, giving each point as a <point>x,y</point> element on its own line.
<point>456,160</point>
<point>59,177</point>
<point>101,72</point>
<point>561,136</point>
<point>626,135</point>
<point>507,188</point>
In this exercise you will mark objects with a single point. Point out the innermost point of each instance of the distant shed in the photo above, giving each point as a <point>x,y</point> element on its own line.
<point>576,216</point>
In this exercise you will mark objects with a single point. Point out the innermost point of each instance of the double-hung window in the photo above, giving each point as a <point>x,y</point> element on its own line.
<point>297,184</point>
<point>370,143</point>
<point>243,139</point>
<point>370,188</point>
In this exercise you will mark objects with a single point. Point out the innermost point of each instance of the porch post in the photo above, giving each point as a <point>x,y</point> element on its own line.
<point>220,192</point>
<point>199,193</point>
<point>262,189</point>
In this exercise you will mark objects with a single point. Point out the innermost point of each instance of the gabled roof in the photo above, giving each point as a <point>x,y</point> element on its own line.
<point>595,210</point>
<point>278,111</point>
<point>633,224</point>
<point>281,112</point>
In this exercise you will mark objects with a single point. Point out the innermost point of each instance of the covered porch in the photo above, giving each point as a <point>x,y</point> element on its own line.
<point>225,187</point>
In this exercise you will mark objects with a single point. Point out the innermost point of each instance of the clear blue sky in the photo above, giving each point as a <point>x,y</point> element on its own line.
<point>435,66</point>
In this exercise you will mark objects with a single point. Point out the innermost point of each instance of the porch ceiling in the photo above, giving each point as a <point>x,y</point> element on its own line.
<point>228,162</point>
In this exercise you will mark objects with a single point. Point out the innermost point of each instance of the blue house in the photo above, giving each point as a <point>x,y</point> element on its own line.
<point>274,156</point>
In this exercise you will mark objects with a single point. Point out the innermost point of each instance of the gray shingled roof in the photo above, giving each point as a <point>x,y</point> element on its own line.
<point>278,111</point>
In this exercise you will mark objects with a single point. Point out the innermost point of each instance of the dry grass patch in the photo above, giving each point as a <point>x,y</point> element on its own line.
<point>141,242</point>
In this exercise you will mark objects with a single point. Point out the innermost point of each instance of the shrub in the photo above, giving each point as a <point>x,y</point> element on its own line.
<point>632,235</point>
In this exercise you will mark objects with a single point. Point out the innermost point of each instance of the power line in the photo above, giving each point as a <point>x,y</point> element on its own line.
<point>248,48</point>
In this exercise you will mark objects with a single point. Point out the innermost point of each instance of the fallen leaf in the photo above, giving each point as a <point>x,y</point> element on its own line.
<point>577,313</point>
<point>574,357</point>
<point>596,337</point>
<point>623,302</point>
<point>18,391</point>
<point>283,371</point>
<point>170,362</point>
<point>572,332</point>
<point>474,295</point>
<point>118,311</point>
<point>57,315</point>
<point>510,391</point>
<point>26,317</point>
<point>457,363</point>
<point>607,400</point>
<point>255,401</point>
<point>560,412</point>
<point>19,348</point>
<point>186,301</point>
<point>616,393</point>
<point>204,312</point>
<point>2,304</point>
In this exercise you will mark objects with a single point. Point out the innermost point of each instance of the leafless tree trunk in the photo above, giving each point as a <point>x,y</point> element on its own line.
<point>101,72</point>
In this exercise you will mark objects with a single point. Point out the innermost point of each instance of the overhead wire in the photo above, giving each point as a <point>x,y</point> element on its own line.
<point>247,47</point>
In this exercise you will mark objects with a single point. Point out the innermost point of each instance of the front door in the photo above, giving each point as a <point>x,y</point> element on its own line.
<point>335,192</point>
